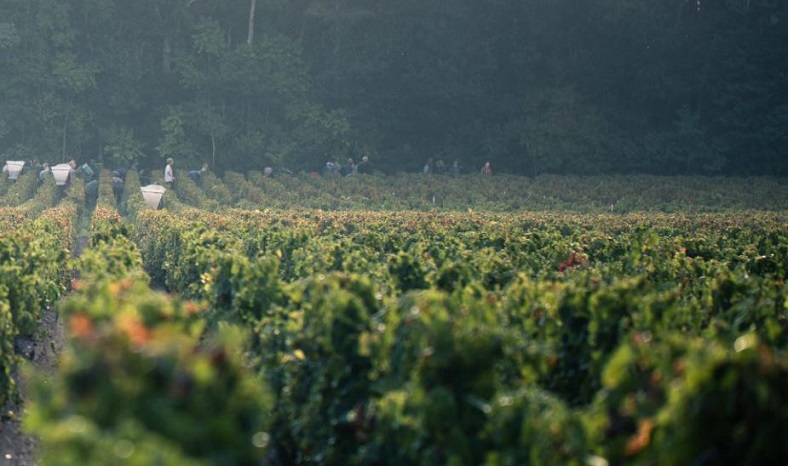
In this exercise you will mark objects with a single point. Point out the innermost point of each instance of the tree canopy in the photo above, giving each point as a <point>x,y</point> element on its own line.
<point>534,86</point>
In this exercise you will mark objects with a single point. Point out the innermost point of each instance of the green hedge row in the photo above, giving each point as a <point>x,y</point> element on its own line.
<point>34,273</point>
<point>408,251</point>
<point>415,338</point>
<point>411,357</point>
<point>19,191</point>
<point>589,194</point>
<point>141,381</point>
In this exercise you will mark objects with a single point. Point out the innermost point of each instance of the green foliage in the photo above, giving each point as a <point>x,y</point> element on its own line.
<point>741,303</point>
<point>121,147</point>
<point>727,408</point>
<point>408,270</point>
<point>636,385</point>
<point>156,243</point>
<point>536,87</point>
<point>9,37</point>
<point>193,194</point>
<point>106,222</point>
<point>441,367</point>
<point>75,77</point>
<point>77,440</point>
<point>557,131</point>
<point>311,350</point>
<point>8,358</point>
<point>44,197</point>
<point>582,194</point>
<point>246,289</point>
<point>475,322</point>
<point>216,189</point>
<point>175,143</point>
<point>33,275</point>
<point>116,260</point>
<point>531,427</point>
<point>327,131</point>
<point>138,369</point>
<point>208,38</point>
<point>710,401</point>
<point>133,201</point>
<point>404,337</point>
<point>23,189</point>
<point>32,265</point>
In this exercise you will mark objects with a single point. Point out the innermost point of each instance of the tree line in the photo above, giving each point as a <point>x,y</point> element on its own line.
<point>534,86</point>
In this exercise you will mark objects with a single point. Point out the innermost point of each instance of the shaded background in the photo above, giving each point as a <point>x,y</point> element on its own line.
<point>535,86</point>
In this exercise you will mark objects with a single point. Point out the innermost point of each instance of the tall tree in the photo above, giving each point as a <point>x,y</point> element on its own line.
<point>252,8</point>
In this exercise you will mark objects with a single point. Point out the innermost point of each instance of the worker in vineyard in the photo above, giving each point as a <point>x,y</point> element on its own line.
<point>429,166</point>
<point>121,172</point>
<point>332,169</point>
<point>363,165</point>
<point>42,175</point>
<point>91,194</point>
<point>350,167</point>
<point>118,187</point>
<point>455,169</point>
<point>84,170</point>
<point>196,175</point>
<point>169,175</point>
<point>486,169</point>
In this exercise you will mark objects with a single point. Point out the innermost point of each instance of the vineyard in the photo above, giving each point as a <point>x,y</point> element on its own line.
<point>305,320</point>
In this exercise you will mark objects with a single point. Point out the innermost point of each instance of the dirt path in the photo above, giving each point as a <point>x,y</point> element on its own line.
<point>16,448</point>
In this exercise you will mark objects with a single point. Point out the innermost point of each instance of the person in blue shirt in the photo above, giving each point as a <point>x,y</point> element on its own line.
<point>196,175</point>
<point>455,169</point>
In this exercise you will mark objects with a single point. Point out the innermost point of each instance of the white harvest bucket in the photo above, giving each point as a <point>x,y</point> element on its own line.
<point>152,194</point>
<point>61,172</point>
<point>14,169</point>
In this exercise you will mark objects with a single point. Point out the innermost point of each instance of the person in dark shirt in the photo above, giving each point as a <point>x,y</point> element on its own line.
<point>118,186</point>
<point>363,165</point>
<point>349,168</point>
<point>91,194</point>
<point>196,175</point>
<point>455,169</point>
<point>121,172</point>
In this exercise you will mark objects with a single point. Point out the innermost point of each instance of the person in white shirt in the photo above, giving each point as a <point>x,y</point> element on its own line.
<point>169,177</point>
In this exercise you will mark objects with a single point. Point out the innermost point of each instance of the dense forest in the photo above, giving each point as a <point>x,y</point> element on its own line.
<point>534,86</point>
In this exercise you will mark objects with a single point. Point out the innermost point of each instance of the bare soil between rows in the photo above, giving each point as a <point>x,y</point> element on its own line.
<point>42,352</point>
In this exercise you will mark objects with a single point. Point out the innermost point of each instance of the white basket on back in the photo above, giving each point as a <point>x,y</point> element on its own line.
<point>14,168</point>
<point>61,172</point>
<point>152,194</point>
